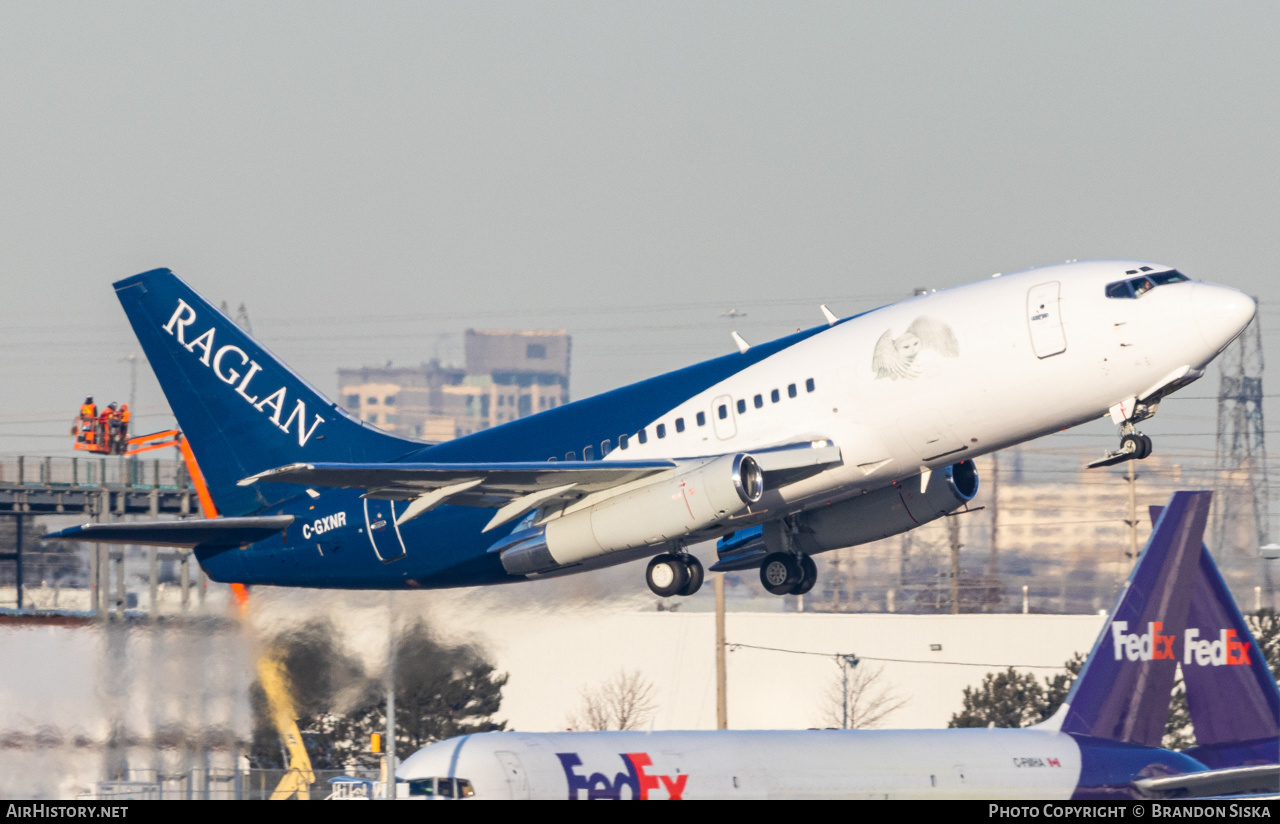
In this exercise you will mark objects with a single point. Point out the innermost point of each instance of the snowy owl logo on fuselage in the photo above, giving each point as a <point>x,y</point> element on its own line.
<point>900,357</point>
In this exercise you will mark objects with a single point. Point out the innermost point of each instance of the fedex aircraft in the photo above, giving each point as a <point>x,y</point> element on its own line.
<point>845,433</point>
<point>1104,742</point>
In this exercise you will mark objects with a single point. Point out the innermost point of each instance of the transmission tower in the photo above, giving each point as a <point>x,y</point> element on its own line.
<point>242,316</point>
<point>1241,517</point>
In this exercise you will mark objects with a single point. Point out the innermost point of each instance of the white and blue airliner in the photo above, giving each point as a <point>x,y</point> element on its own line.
<point>854,430</point>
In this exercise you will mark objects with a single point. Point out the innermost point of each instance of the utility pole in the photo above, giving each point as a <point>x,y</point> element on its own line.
<point>1133,514</point>
<point>390,746</point>
<point>132,360</point>
<point>847,662</point>
<point>722,711</point>
<point>17,556</point>
<point>993,560</point>
<point>953,532</point>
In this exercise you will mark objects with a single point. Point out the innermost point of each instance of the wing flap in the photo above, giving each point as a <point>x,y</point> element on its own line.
<point>195,532</point>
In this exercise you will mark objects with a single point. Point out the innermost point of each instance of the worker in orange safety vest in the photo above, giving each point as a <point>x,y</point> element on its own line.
<point>121,425</point>
<point>88,419</point>
<point>104,424</point>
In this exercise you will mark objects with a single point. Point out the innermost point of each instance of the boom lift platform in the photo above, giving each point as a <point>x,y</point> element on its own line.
<point>108,433</point>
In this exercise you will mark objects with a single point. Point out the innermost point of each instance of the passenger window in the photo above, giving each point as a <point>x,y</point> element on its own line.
<point>679,424</point>
<point>808,385</point>
<point>571,456</point>
<point>588,453</point>
<point>775,396</point>
<point>606,446</point>
<point>724,411</point>
<point>791,390</point>
<point>742,407</point>
<point>642,436</point>
<point>759,401</point>
<point>702,418</point>
<point>623,441</point>
<point>661,430</point>
<point>1119,289</point>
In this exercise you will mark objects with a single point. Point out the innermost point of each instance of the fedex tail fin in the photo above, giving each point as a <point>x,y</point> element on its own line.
<point>1122,693</point>
<point>241,409</point>
<point>1231,694</point>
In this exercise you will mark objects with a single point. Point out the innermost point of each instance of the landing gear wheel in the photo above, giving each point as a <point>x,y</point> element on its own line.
<point>780,573</point>
<point>696,575</point>
<point>1144,446</point>
<point>1131,445</point>
<point>808,576</point>
<point>667,575</point>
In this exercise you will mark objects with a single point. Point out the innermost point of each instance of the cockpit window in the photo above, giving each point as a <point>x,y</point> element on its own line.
<point>1119,289</point>
<point>1172,276</point>
<point>1139,286</point>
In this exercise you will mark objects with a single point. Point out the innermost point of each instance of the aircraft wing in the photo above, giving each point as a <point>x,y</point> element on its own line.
<point>1259,778</point>
<point>194,532</point>
<point>499,482</point>
<point>518,487</point>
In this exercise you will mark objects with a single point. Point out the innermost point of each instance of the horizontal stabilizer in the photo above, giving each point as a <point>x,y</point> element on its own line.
<point>195,532</point>
<point>1258,778</point>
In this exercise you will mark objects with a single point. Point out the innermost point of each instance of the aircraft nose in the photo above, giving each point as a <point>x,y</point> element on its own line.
<point>1221,313</point>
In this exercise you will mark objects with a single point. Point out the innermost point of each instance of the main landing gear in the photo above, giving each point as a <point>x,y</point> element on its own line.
<point>674,574</point>
<point>788,573</point>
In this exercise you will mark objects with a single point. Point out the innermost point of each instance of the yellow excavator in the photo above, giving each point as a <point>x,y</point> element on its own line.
<point>275,683</point>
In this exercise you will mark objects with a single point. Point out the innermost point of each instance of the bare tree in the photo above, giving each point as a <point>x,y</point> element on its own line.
<point>624,702</point>
<point>865,702</point>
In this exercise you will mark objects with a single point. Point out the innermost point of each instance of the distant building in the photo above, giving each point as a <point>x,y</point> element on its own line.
<point>509,374</point>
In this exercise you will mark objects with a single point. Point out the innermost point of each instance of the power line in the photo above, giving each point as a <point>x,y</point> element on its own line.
<point>838,656</point>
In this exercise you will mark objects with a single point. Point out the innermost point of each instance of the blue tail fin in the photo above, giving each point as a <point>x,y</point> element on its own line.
<point>241,409</point>
<point>1231,694</point>
<point>1123,690</point>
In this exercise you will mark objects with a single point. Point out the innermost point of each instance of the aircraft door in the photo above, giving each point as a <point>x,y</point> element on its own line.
<point>384,535</point>
<point>1044,320</point>
<point>517,778</point>
<point>722,415</point>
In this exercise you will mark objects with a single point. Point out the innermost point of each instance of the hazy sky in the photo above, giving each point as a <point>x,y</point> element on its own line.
<point>369,177</point>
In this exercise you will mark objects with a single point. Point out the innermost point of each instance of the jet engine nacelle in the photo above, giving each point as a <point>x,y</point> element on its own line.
<point>657,513</point>
<point>879,514</point>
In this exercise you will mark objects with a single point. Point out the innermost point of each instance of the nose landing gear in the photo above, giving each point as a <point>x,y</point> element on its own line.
<point>788,573</point>
<point>674,574</point>
<point>1134,446</point>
